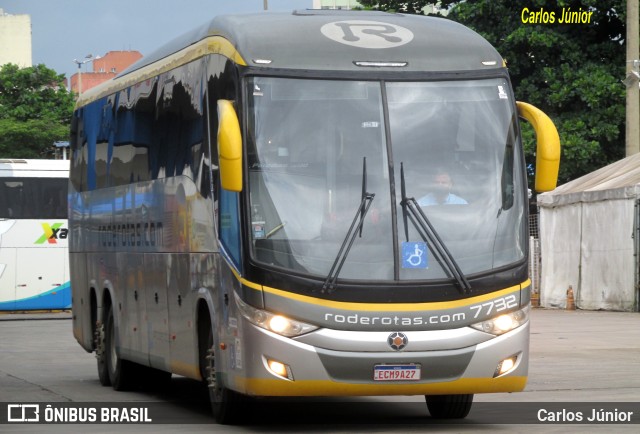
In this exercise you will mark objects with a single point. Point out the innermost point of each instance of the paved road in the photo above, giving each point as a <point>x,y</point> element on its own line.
<point>576,357</point>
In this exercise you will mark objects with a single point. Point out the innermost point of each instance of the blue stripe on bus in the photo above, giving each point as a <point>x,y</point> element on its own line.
<point>57,298</point>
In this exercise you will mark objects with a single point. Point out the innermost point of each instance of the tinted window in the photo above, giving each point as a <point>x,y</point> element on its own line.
<point>33,198</point>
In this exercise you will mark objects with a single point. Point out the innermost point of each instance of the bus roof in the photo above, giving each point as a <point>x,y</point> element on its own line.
<point>321,40</point>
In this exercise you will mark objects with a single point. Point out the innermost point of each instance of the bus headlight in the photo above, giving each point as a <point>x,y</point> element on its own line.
<point>273,322</point>
<point>504,323</point>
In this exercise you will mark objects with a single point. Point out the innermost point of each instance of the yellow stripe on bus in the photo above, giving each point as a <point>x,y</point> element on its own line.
<point>275,387</point>
<point>388,307</point>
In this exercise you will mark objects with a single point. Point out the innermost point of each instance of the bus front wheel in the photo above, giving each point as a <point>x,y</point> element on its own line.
<point>225,403</point>
<point>449,406</point>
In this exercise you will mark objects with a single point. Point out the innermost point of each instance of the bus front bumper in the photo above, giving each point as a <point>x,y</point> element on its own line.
<point>308,370</point>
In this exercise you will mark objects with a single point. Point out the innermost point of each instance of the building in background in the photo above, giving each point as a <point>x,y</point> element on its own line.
<point>103,69</point>
<point>15,39</point>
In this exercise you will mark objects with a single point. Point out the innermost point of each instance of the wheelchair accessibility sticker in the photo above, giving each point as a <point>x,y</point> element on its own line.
<point>414,254</point>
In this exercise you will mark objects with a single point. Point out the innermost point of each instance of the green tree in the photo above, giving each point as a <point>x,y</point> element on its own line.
<point>570,71</point>
<point>35,111</point>
<point>411,7</point>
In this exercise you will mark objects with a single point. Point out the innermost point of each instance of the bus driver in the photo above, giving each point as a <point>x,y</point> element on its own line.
<point>441,194</point>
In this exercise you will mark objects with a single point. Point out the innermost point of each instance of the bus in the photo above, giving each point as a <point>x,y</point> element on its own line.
<point>248,208</point>
<point>34,262</point>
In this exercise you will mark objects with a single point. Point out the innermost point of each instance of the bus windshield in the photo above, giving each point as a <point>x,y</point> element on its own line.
<point>455,140</point>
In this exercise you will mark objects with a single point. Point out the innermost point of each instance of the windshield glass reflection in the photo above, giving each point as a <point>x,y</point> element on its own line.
<point>457,141</point>
<point>305,154</point>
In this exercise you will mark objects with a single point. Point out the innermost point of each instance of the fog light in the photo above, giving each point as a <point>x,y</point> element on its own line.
<point>280,369</point>
<point>505,366</point>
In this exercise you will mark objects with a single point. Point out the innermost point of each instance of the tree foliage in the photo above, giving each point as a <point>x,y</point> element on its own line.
<point>29,139</point>
<point>570,71</point>
<point>35,111</point>
<point>411,7</point>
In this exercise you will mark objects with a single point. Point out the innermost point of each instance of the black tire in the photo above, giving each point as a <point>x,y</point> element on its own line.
<point>101,357</point>
<point>121,372</point>
<point>449,406</point>
<point>225,404</point>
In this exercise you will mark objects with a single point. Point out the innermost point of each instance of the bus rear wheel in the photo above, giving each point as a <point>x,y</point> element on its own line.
<point>101,354</point>
<point>120,371</point>
<point>449,406</point>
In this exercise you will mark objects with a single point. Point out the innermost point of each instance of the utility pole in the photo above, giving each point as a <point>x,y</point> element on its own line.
<point>266,5</point>
<point>87,58</point>
<point>631,80</point>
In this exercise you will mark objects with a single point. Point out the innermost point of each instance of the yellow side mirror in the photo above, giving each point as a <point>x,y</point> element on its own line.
<point>547,149</point>
<point>229,146</point>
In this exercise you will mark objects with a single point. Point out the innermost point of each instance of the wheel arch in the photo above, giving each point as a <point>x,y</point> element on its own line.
<point>204,323</point>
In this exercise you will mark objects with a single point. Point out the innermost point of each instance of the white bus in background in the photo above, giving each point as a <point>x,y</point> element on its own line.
<point>34,260</point>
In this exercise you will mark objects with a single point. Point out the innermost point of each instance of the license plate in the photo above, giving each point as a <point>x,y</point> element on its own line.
<point>409,372</point>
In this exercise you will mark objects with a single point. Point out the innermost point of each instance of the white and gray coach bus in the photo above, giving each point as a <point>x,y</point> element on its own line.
<point>316,203</point>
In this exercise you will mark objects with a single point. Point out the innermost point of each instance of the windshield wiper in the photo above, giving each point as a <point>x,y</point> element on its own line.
<point>355,229</point>
<point>412,211</point>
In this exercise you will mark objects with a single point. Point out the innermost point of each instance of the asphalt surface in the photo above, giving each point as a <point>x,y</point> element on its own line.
<point>580,362</point>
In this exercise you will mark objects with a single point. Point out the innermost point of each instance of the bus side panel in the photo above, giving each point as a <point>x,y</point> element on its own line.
<point>142,166</point>
<point>7,278</point>
<point>7,266</point>
<point>131,292</point>
<point>157,312</point>
<point>40,280</point>
<point>181,302</point>
<point>81,302</point>
<point>66,277</point>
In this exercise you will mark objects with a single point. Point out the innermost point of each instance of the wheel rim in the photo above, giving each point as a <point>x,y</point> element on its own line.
<point>99,342</point>
<point>212,381</point>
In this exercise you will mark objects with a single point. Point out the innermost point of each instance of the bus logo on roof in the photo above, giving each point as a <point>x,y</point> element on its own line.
<point>367,34</point>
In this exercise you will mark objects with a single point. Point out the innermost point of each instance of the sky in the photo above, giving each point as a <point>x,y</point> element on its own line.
<point>64,30</point>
